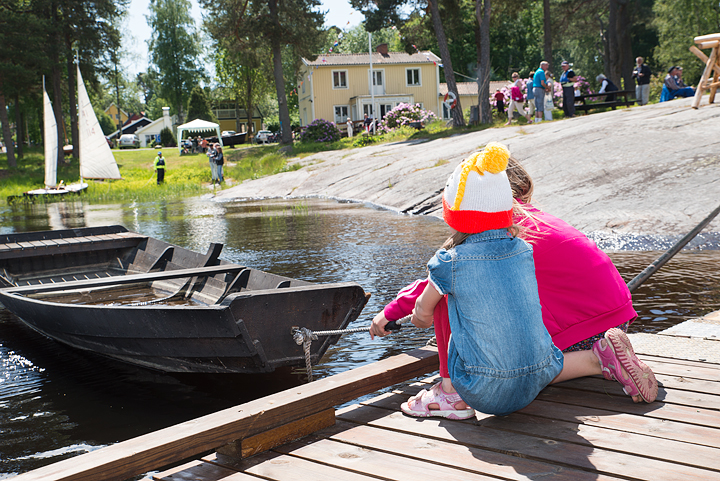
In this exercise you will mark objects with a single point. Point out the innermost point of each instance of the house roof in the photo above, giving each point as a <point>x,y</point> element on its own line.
<point>118,108</point>
<point>149,126</point>
<point>471,88</point>
<point>130,128</point>
<point>338,59</point>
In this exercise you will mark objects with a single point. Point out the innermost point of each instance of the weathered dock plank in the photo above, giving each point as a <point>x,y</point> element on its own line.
<point>586,429</point>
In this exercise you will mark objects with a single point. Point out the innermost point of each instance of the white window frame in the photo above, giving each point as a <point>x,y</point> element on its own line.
<point>347,84</point>
<point>371,81</point>
<point>419,77</point>
<point>343,118</point>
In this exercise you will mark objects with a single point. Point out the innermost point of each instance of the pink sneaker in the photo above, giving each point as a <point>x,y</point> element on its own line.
<point>618,354</point>
<point>418,405</point>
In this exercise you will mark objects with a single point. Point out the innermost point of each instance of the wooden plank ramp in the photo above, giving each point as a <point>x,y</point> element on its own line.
<point>586,429</point>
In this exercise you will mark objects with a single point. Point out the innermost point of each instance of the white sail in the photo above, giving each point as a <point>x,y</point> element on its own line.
<point>50,142</point>
<point>96,158</point>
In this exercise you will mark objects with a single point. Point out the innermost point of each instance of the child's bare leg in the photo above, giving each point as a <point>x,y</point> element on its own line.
<point>448,388</point>
<point>583,363</point>
<point>578,364</point>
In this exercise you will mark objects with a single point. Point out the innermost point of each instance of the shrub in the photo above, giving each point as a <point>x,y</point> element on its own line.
<point>404,114</point>
<point>320,130</point>
<point>167,138</point>
<point>363,140</point>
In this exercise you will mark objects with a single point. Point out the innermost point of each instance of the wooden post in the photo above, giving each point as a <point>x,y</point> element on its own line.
<point>714,87</point>
<point>711,64</point>
<point>706,74</point>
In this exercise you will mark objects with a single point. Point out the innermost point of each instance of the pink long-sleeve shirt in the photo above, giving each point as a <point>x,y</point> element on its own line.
<point>581,292</point>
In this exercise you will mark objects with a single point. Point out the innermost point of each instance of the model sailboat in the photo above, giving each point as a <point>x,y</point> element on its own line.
<point>96,158</point>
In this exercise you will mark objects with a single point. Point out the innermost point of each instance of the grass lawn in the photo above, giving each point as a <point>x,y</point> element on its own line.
<point>189,175</point>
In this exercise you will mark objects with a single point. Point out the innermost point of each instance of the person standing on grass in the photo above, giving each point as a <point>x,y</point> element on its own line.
<point>516,99</point>
<point>539,88</point>
<point>567,80</point>
<point>642,75</point>
<point>213,165</point>
<point>530,97</point>
<point>219,160</point>
<point>159,165</point>
<point>499,102</point>
<point>549,105</point>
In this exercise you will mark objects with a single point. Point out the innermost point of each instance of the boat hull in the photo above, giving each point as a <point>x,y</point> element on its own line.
<point>228,324</point>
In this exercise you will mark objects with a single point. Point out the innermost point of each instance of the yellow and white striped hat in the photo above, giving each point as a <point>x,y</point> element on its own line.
<point>477,195</point>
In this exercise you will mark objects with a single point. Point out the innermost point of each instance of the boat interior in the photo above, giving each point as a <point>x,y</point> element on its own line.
<point>118,267</point>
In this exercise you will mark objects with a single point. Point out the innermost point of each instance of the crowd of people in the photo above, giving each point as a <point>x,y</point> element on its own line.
<point>539,92</point>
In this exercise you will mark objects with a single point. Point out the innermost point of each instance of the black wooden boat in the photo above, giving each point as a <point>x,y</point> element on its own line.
<point>141,300</point>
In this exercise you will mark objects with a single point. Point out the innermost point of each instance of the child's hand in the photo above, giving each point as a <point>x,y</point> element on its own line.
<point>377,328</point>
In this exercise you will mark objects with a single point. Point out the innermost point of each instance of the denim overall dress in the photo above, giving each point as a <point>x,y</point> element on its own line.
<point>500,354</point>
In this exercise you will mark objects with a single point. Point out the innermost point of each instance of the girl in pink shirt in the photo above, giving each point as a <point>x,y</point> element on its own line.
<point>582,296</point>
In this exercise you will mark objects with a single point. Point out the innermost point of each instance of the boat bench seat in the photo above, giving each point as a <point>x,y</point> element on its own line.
<point>67,245</point>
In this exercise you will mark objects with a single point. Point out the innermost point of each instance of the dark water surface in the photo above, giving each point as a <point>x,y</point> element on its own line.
<point>56,402</point>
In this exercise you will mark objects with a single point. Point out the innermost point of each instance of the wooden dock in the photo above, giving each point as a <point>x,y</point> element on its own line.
<point>581,430</point>
<point>586,429</point>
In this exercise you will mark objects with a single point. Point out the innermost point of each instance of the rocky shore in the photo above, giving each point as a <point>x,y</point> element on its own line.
<point>644,170</point>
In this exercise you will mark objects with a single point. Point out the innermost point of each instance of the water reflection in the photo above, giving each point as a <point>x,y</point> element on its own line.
<point>57,401</point>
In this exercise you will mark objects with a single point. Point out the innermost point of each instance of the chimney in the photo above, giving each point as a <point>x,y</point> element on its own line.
<point>167,121</point>
<point>382,49</point>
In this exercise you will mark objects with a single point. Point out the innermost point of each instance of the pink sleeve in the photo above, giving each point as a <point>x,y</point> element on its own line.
<point>404,303</point>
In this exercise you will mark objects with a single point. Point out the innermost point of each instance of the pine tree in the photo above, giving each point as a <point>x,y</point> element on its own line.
<point>199,107</point>
<point>175,50</point>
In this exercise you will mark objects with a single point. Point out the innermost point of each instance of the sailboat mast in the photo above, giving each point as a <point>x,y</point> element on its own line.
<point>78,79</point>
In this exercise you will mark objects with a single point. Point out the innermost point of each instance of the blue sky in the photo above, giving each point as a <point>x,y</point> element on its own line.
<point>136,31</point>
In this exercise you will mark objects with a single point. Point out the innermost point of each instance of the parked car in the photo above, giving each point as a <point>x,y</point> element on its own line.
<point>130,141</point>
<point>262,136</point>
<point>227,133</point>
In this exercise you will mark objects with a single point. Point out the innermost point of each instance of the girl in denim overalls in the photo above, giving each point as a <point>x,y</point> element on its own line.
<point>500,355</point>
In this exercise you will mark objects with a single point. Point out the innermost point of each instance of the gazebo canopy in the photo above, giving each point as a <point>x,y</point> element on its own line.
<point>197,125</point>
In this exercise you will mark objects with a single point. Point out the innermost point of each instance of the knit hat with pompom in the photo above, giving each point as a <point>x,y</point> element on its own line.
<point>477,195</point>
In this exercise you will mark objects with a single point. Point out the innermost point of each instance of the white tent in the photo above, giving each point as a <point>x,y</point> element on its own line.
<point>197,126</point>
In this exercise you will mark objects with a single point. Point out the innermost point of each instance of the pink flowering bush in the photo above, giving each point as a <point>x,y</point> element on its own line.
<point>320,130</point>
<point>404,114</point>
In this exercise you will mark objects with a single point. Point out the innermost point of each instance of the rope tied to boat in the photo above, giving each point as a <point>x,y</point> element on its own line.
<point>304,337</point>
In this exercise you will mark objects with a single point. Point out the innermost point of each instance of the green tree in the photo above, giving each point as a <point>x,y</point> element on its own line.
<point>384,13</point>
<point>242,78</point>
<point>106,123</point>
<point>293,26</point>
<point>199,107</point>
<point>355,40</point>
<point>175,50</point>
<point>22,58</point>
<point>677,23</point>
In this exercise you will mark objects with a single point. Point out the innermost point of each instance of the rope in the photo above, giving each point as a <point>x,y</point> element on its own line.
<point>304,336</point>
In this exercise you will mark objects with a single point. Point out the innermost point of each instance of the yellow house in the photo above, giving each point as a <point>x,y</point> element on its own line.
<point>117,114</point>
<point>468,93</point>
<point>337,86</point>
<point>231,118</point>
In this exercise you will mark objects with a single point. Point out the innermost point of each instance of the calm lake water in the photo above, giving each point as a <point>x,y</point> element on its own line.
<point>57,402</point>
